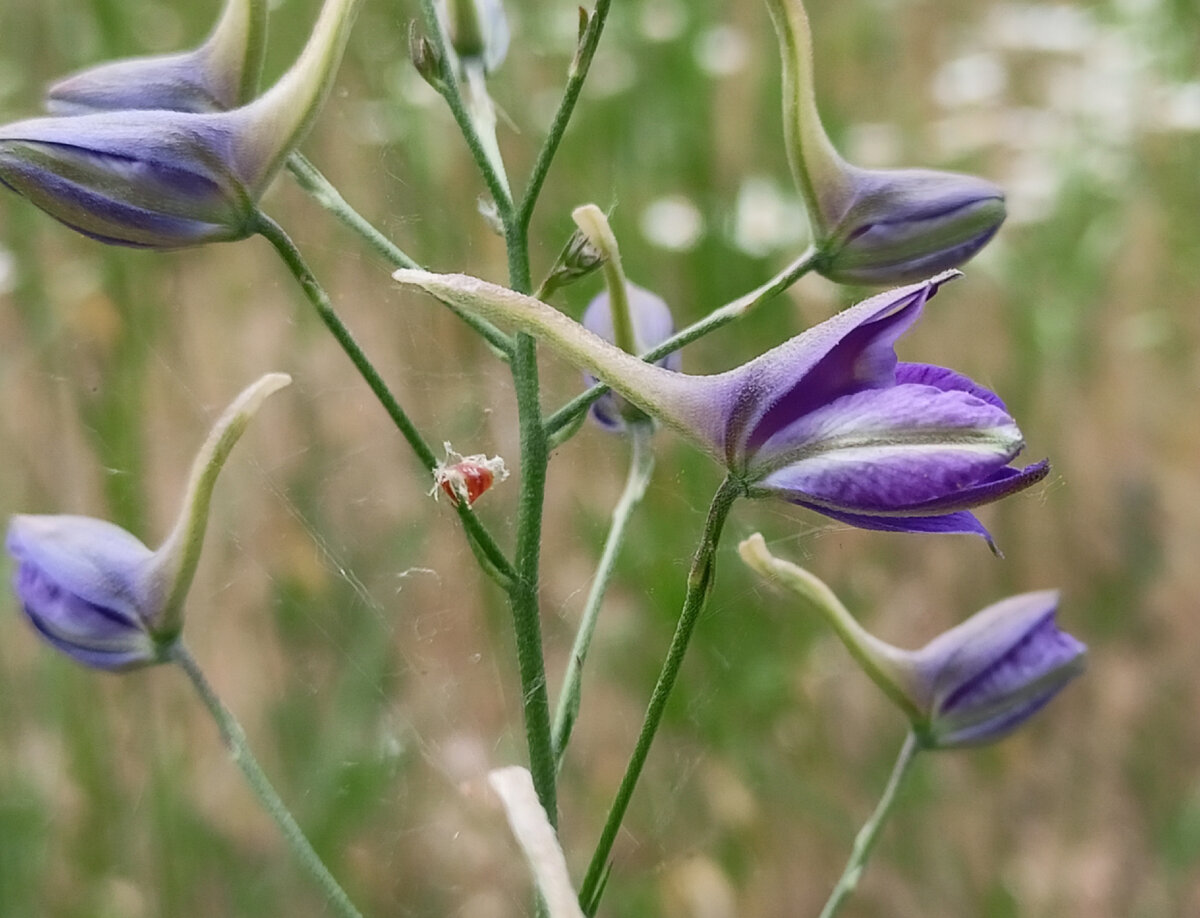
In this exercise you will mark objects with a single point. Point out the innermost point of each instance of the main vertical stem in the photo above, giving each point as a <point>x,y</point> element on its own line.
<point>699,585</point>
<point>523,592</point>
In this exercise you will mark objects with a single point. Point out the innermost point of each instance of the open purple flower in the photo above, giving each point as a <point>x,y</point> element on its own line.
<point>971,685</point>
<point>222,73</point>
<point>95,592</point>
<point>829,420</point>
<point>167,179</point>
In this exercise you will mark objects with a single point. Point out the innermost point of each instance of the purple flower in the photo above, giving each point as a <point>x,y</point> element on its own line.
<point>95,591</point>
<point>873,226</point>
<point>166,179</point>
<point>973,684</point>
<point>220,74</point>
<point>652,325</point>
<point>829,420</point>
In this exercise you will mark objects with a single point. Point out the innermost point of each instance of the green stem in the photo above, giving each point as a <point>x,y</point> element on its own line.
<point>699,585</point>
<point>235,741</point>
<point>489,164</point>
<point>640,469</point>
<point>480,539</point>
<point>584,53</point>
<point>324,193</point>
<point>523,591</point>
<point>869,833</point>
<point>718,318</point>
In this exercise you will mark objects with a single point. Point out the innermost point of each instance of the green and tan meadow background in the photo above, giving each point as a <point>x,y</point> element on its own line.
<point>337,607</point>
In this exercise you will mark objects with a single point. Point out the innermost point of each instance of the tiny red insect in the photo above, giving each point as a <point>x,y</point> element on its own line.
<point>467,476</point>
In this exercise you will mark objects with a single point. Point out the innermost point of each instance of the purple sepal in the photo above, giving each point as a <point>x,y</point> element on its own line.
<point>172,82</point>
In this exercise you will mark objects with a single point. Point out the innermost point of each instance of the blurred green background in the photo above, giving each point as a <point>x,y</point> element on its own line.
<point>339,612</point>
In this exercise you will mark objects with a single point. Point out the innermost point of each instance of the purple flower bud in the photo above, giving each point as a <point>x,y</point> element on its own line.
<point>165,179</point>
<point>150,179</point>
<point>905,224</point>
<point>873,226</point>
<point>99,595</point>
<point>652,325</point>
<point>82,584</point>
<point>220,74</point>
<point>984,678</point>
<point>973,684</point>
<point>829,420</point>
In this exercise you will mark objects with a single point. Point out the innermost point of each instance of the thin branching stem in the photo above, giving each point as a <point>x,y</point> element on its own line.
<point>641,467</point>
<point>523,592</point>
<point>309,178</point>
<point>582,61</point>
<point>478,536</point>
<point>869,833</point>
<point>235,741</point>
<point>451,90</point>
<point>699,585</point>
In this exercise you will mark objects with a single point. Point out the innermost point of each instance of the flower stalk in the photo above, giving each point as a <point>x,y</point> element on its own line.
<point>235,741</point>
<point>699,586</point>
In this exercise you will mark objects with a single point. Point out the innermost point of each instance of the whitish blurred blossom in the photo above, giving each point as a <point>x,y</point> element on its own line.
<point>1178,108</point>
<point>973,79</point>
<point>612,73</point>
<point>722,51</point>
<point>673,223</point>
<point>875,145</point>
<point>1040,27</point>
<point>767,218</point>
<point>663,20</point>
<point>8,271</point>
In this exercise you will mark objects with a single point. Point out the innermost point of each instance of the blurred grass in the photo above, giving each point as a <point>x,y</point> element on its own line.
<point>337,608</point>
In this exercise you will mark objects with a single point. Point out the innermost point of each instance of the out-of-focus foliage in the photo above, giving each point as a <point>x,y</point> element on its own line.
<point>337,607</point>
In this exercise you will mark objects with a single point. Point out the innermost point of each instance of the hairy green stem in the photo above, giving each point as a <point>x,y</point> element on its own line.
<point>523,592</point>
<point>699,585</point>
<point>235,741</point>
<point>869,833</point>
<point>326,194</point>
<point>488,161</point>
<point>584,53</point>
<point>641,466</point>
<point>718,318</point>
<point>480,539</point>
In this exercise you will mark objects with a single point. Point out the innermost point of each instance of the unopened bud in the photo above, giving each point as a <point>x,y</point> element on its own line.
<point>166,179</point>
<point>221,74</point>
<point>95,592</point>
<point>906,224</point>
<point>425,57</point>
<point>971,685</point>
<point>873,226</point>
